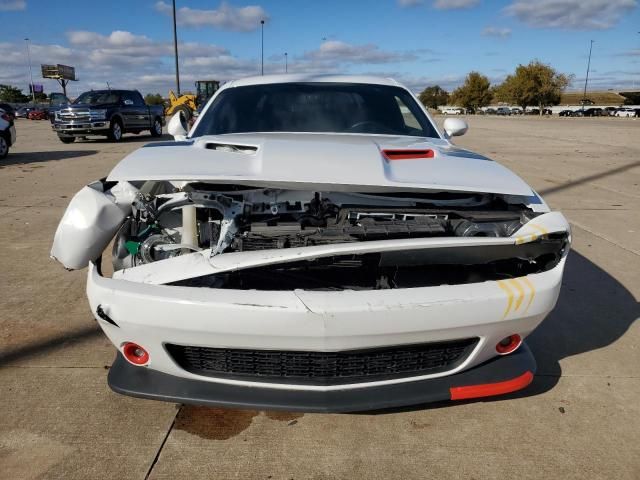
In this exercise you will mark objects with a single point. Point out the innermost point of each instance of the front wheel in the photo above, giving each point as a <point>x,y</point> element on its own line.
<point>4,147</point>
<point>67,139</point>
<point>115,131</point>
<point>156,128</point>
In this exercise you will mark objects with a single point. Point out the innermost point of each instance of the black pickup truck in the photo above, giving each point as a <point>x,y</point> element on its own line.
<point>109,113</point>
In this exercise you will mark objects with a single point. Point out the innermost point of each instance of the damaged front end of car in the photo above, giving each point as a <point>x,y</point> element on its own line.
<point>314,296</point>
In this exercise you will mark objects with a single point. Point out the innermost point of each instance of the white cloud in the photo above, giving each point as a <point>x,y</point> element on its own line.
<point>571,14</point>
<point>454,4</point>
<point>12,5</point>
<point>410,3</point>
<point>497,32</point>
<point>225,17</point>
<point>335,51</point>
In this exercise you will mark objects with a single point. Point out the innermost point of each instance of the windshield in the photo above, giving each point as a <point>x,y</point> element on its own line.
<point>97,98</point>
<point>315,107</point>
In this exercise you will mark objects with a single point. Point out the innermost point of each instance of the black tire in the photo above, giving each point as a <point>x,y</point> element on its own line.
<point>67,139</point>
<point>115,130</point>
<point>156,127</point>
<point>4,147</point>
<point>186,112</point>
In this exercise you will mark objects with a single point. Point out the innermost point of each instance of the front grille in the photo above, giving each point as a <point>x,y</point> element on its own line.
<point>75,116</point>
<point>323,368</point>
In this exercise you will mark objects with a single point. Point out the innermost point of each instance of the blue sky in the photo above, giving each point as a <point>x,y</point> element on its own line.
<point>421,43</point>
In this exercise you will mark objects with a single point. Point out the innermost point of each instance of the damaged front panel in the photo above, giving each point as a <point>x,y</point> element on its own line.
<point>241,237</point>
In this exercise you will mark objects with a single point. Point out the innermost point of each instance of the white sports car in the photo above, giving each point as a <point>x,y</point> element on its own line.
<point>315,243</point>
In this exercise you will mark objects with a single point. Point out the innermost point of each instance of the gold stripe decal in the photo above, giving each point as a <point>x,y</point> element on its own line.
<point>514,283</point>
<point>504,286</point>
<point>539,228</point>
<point>516,291</point>
<point>533,292</point>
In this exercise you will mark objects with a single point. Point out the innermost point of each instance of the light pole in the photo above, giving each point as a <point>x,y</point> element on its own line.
<point>33,93</point>
<point>584,95</point>
<point>262,47</point>
<point>286,64</point>
<point>175,48</point>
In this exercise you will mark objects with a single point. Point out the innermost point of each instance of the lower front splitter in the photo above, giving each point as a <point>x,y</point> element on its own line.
<point>497,376</point>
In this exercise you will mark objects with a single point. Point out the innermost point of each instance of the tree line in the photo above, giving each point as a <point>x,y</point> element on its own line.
<point>535,84</point>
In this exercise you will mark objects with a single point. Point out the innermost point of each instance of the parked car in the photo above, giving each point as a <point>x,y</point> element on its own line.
<point>23,112</point>
<point>609,111</point>
<point>490,111</point>
<point>8,110</point>
<point>38,114</point>
<point>7,133</point>
<point>516,111</point>
<point>273,261</point>
<point>56,102</point>
<point>452,111</point>
<point>109,113</point>
<point>503,111</point>
<point>626,112</point>
<point>565,113</point>
<point>592,112</point>
<point>533,111</point>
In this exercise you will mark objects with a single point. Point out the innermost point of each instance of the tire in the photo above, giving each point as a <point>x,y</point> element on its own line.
<point>156,128</point>
<point>115,130</point>
<point>4,147</point>
<point>67,139</point>
<point>186,112</point>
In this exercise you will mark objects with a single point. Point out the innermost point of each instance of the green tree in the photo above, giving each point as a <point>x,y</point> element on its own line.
<point>154,99</point>
<point>535,84</point>
<point>474,93</point>
<point>11,94</point>
<point>433,97</point>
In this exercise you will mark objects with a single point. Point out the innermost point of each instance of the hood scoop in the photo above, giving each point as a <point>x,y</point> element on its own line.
<point>231,148</point>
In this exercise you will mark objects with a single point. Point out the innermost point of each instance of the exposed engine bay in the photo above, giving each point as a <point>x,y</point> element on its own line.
<point>167,222</point>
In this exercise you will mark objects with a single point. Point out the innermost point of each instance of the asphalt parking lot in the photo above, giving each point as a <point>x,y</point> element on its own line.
<point>579,419</point>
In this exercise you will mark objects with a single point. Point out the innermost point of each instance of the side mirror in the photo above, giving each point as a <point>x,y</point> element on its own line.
<point>454,127</point>
<point>177,127</point>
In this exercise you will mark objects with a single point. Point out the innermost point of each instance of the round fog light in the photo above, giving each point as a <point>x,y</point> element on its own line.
<point>135,354</point>
<point>509,344</point>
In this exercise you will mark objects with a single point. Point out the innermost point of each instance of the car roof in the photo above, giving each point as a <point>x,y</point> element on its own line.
<point>307,78</point>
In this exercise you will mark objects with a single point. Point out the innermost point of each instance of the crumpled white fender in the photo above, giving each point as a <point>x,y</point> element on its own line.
<point>90,222</point>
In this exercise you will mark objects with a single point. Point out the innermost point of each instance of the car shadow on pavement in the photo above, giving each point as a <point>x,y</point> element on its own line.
<point>593,311</point>
<point>23,158</point>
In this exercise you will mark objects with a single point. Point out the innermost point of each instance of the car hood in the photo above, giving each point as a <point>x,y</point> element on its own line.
<point>340,162</point>
<point>73,106</point>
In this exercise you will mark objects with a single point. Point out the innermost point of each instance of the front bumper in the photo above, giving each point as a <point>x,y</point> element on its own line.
<point>498,376</point>
<point>85,128</point>
<point>156,315</point>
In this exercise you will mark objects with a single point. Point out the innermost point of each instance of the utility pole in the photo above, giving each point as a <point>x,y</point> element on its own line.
<point>584,95</point>
<point>286,65</point>
<point>262,47</point>
<point>33,93</point>
<point>175,48</point>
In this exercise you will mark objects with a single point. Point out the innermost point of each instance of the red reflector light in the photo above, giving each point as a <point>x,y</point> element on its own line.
<point>490,389</point>
<point>135,354</point>
<point>509,344</point>
<point>407,154</point>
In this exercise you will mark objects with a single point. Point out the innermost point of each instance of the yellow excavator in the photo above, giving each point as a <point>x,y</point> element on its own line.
<point>188,103</point>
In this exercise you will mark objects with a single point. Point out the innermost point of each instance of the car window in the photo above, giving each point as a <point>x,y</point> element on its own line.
<point>132,99</point>
<point>98,97</point>
<point>315,107</point>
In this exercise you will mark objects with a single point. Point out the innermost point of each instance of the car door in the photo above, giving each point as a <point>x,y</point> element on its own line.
<point>135,111</point>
